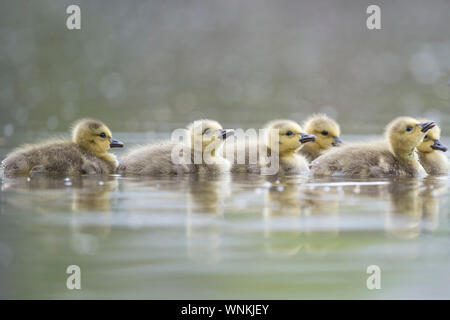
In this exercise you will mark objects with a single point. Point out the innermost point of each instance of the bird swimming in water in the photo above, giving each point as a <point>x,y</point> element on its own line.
<point>288,137</point>
<point>394,157</point>
<point>199,155</point>
<point>327,133</point>
<point>85,153</point>
<point>431,155</point>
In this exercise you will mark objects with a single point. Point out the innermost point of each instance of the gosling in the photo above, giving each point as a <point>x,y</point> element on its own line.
<point>433,161</point>
<point>397,157</point>
<point>290,138</point>
<point>327,132</point>
<point>86,153</point>
<point>199,155</point>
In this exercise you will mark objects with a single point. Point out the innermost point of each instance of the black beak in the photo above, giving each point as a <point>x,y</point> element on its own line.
<point>427,125</point>
<point>439,146</point>
<point>307,137</point>
<point>115,144</point>
<point>225,133</point>
<point>337,142</point>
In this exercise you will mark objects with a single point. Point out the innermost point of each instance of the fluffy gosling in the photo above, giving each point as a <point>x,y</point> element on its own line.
<point>397,157</point>
<point>327,132</point>
<point>86,153</point>
<point>290,138</point>
<point>432,160</point>
<point>206,137</point>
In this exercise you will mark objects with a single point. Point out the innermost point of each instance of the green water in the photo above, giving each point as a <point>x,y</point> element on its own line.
<point>230,237</point>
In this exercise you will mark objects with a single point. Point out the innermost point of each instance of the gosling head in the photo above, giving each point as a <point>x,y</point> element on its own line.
<point>326,130</point>
<point>94,135</point>
<point>405,134</point>
<point>431,141</point>
<point>205,132</point>
<point>289,134</point>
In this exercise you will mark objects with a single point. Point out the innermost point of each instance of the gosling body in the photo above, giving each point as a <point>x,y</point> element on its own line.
<point>290,138</point>
<point>86,153</point>
<point>434,163</point>
<point>156,159</point>
<point>396,157</point>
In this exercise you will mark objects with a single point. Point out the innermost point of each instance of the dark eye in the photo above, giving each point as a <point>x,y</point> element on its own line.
<point>206,131</point>
<point>102,135</point>
<point>324,132</point>
<point>289,133</point>
<point>409,128</point>
<point>426,137</point>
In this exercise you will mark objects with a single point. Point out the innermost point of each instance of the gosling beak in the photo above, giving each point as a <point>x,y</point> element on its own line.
<point>439,146</point>
<point>225,133</point>
<point>115,144</point>
<point>306,137</point>
<point>337,142</point>
<point>427,125</point>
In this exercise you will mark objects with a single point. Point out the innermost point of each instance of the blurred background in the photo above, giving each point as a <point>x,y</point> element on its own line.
<point>155,65</point>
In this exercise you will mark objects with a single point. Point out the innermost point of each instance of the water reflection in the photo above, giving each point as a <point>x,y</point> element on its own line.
<point>403,218</point>
<point>169,227</point>
<point>282,217</point>
<point>205,209</point>
<point>86,199</point>
<point>91,218</point>
<point>207,195</point>
<point>431,192</point>
<point>414,206</point>
<point>293,207</point>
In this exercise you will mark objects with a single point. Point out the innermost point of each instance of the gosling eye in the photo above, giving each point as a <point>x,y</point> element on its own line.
<point>289,133</point>
<point>207,131</point>
<point>409,128</point>
<point>325,132</point>
<point>426,137</point>
<point>102,135</point>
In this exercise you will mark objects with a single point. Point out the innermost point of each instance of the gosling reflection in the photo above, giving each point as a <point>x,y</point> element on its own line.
<point>205,204</point>
<point>40,182</point>
<point>35,193</point>
<point>91,206</point>
<point>430,193</point>
<point>414,206</point>
<point>403,219</point>
<point>87,198</point>
<point>282,217</point>
<point>321,210</point>
<point>207,195</point>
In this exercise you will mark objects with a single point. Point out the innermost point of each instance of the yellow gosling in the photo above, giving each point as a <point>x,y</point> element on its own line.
<point>327,132</point>
<point>431,158</point>
<point>396,157</point>
<point>290,138</point>
<point>86,153</point>
<point>156,159</point>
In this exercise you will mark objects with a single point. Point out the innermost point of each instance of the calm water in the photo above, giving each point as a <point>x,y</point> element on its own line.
<point>242,236</point>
